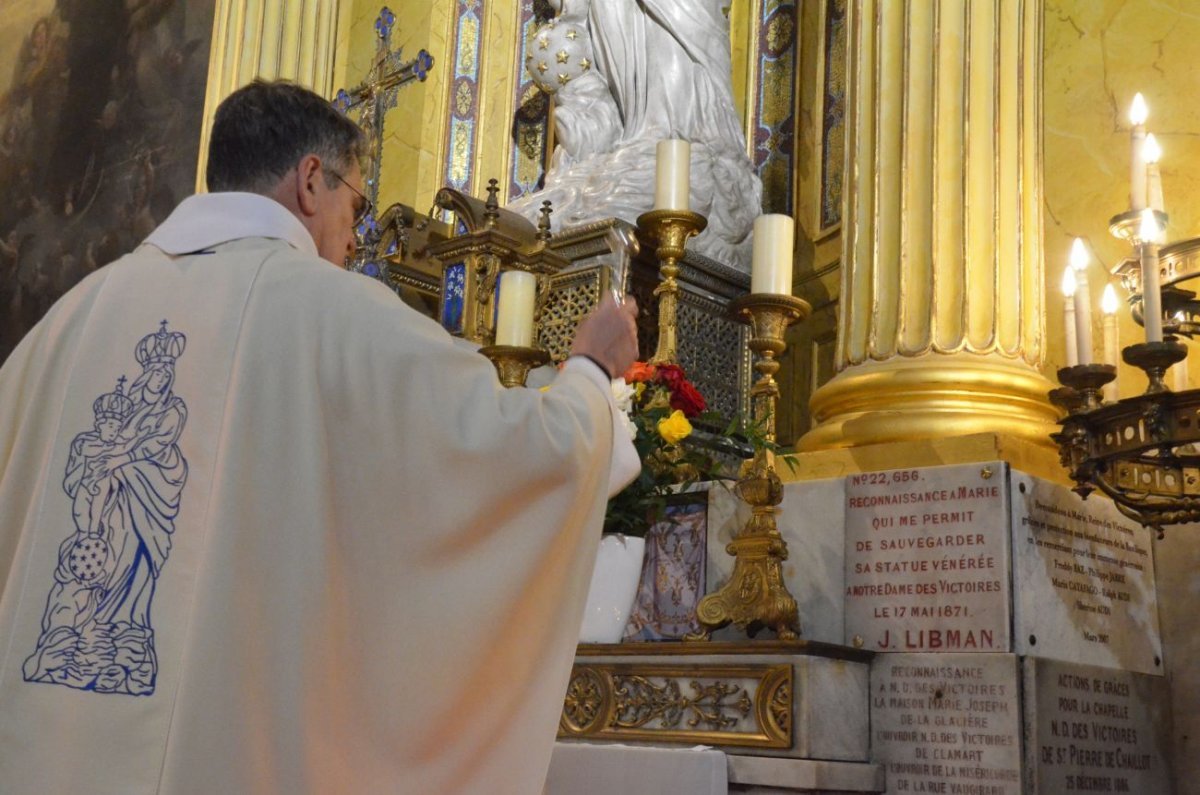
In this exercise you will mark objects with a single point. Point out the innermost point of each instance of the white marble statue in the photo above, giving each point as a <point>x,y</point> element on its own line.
<point>625,75</point>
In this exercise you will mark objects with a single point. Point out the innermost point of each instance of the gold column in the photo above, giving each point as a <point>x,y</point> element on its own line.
<point>942,324</point>
<point>294,39</point>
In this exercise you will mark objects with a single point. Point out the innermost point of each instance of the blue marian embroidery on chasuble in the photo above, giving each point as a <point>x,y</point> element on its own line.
<point>124,479</point>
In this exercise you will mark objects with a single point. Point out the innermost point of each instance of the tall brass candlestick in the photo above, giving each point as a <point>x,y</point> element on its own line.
<point>514,362</point>
<point>756,594</point>
<point>670,229</point>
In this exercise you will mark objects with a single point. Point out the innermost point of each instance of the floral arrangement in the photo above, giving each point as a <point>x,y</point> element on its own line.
<point>660,404</point>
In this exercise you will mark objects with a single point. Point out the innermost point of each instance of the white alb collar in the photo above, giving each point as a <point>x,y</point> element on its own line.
<point>209,219</point>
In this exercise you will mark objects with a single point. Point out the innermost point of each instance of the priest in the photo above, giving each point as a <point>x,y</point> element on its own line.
<point>313,546</point>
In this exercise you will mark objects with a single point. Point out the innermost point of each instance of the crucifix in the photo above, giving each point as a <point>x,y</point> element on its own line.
<point>370,100</point>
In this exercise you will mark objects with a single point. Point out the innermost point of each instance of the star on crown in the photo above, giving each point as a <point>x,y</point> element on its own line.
<point>161,346</point>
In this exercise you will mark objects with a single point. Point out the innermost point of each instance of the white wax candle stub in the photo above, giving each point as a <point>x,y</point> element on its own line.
<point>1152,153</point>
<point>1083,301</point>
<point>1151,291</point>
<point>514,315</point>
<point>1111,354</point>
<point>1138,113</point>
<point>1068,288</point>
<point>672,168</point>
<point>774,241</point>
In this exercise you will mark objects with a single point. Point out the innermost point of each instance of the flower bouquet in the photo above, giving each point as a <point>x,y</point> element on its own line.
<point>660,405</point>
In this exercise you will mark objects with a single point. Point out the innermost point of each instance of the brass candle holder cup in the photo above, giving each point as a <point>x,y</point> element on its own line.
<point>513,362</point>
<point>756,595</point>
<point>669,230</point>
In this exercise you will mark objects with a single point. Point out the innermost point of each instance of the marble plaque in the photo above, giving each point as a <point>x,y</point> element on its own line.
<point>1095,729</point>
<point>947,723</point>
<point>1084,580</point>
<point>927,559</point>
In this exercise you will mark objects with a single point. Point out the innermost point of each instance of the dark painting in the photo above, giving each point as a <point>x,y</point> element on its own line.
<point>100,110</point>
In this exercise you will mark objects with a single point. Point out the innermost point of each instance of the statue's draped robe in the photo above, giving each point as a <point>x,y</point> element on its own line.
<point>374,578</point>
<point>667,67</point>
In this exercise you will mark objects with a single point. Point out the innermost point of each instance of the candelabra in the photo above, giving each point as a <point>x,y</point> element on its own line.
<point>756,594</point>
<point>670,230</point>
<point>1142,451</point>
<point>513,362</point>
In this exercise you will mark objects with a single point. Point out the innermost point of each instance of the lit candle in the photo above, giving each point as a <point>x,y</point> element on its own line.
<point>1152,152</point>
<point>1068,288</point>
<point>672,162</point>
<point>1151,291</point>
<point>1083,301</point>
<point>1108,306</point>
<point>514,316</point>
<point>1179,372</point>
<point>1138,112</point>
<point>771,268</point>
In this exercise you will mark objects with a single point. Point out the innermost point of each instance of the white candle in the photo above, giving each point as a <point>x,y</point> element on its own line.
<point>1108,306</point>
<point>771,269</point>
<point>514,316</point>
<point>1138,112</point>
<point>1152,152</point>
<point>672,163</point>
<point>1083,302</point>
<point>1068,288</point>
<point>1151,291</point>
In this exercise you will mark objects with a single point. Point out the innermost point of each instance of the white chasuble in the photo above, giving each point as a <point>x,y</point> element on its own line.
<point>265,529</point>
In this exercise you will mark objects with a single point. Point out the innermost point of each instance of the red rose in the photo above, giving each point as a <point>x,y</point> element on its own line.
<point>687,399</point>
<point>671,375</point>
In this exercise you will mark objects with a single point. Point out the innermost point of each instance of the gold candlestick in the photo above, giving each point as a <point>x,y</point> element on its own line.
<point>670,229</point>
<point>756,594</point>
<point>514,362</point>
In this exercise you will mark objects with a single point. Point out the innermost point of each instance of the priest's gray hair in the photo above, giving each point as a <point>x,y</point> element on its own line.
<point>262,130</point>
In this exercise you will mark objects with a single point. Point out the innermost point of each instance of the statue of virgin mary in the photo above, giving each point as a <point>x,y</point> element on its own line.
<point>625,75</point>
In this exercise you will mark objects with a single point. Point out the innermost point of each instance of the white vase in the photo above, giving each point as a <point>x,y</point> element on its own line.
<point>613,588</point>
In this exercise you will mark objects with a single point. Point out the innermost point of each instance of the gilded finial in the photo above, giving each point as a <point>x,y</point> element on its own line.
<point>491,208</point>
<point>544,222</point>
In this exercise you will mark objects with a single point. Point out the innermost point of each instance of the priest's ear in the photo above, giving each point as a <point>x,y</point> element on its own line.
<point>308,175</point>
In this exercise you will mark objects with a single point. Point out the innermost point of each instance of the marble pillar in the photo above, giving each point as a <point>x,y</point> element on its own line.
<point>942,323</point>
<point>294,39</point>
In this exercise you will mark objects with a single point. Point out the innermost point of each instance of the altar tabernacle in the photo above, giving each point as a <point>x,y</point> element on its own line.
<point>314,546</point>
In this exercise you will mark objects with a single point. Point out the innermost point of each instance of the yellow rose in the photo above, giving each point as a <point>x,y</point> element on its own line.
<point>675,428</point>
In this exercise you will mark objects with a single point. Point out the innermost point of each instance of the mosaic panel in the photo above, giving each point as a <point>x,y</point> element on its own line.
<point>833,116</point>
<point>774,110</point>
<point>531,118</point>
<point>464,95</point>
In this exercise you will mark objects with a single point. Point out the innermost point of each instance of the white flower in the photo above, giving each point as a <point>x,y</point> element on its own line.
<point>623,396</point>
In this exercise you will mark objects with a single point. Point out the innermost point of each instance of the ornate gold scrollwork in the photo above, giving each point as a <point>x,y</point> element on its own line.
<point>728,705</point>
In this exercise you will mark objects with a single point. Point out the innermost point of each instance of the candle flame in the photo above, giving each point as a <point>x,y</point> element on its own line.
<point>1138,112</point>
<point>1068,283</point>
<point>1148,231</point>
<point>1108,301</point>
<point>1151,150</point>
<point>1079,255</point>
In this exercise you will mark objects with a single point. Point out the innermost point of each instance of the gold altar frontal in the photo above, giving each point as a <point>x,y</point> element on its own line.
<point>766,698</point>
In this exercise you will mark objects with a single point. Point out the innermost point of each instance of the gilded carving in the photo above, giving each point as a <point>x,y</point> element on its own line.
<point>749,705</point>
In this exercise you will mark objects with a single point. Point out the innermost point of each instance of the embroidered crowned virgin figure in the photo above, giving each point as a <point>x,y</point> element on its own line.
<point>125,479</point>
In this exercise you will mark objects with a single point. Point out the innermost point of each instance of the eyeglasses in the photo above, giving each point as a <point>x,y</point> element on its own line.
<point>365,209</point>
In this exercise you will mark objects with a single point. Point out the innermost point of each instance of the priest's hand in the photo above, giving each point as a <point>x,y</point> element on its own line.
<point>608,336</point>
